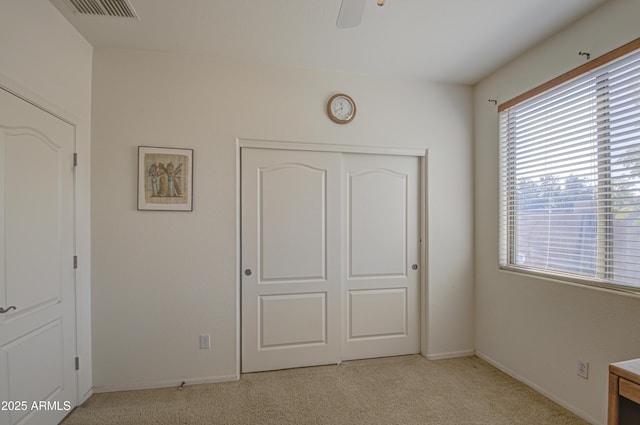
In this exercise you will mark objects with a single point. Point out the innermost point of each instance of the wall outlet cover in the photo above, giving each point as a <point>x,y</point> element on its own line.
<point>205,341</point>
<point>582,369</point>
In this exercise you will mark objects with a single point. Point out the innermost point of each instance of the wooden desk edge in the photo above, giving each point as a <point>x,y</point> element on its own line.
<point>613,408</point>
<point>628,369</point>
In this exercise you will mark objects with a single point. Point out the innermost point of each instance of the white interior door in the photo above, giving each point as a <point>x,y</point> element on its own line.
<point>381,283</point>
<point>37,333</point>
<point>329,244</point>
<point>290,264</point>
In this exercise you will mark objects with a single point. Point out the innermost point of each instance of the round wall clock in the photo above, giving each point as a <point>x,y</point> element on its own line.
<point>341,108</point>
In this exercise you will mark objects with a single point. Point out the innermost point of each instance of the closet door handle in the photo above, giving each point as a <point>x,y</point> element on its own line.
<point>8,309</point>
<point>248,272</point>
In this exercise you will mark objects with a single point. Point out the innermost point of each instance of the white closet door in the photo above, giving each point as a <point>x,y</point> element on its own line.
<point>37,284</point>
<point>329,244</point>
<point>291,305</point>
<point>381,281</point>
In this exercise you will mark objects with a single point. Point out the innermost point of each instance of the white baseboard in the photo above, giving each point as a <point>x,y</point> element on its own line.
<point>538,389</point>
<point>165,383</point>
<point>450,355</point>
<point>85,397</point>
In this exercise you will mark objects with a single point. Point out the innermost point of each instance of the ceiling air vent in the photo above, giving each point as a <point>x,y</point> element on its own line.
<point>114,8</point>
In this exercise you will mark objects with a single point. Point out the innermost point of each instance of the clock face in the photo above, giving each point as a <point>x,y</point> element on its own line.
<point>342,108</point>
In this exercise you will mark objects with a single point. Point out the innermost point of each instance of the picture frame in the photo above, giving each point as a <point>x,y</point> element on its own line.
<point>165,179</point>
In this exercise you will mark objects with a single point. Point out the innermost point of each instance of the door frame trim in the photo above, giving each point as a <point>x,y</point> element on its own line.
<point>328,147</point>
<point>420,153</point>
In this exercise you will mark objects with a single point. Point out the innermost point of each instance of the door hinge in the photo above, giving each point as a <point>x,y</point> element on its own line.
<point>75,261</point>
<point>75,159</point>
<point>77,363</point>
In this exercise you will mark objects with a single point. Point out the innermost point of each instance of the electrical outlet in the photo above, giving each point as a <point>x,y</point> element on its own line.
<point>205,341</point>
<point>582,369</point>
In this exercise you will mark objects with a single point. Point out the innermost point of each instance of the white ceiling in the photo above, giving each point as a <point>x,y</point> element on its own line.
<point>456,41</point>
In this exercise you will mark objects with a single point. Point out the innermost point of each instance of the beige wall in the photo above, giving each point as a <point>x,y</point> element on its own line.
<point>44,59</point>
<point>160,279</point>
<point>533,328</point>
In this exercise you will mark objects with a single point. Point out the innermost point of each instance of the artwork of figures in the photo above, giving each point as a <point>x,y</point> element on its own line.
<point>165,179</point>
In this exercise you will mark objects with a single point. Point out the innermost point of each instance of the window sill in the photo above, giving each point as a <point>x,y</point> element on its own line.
<point>574,281</point>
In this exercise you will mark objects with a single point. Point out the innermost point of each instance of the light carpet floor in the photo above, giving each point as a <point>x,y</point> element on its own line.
<point>393,390</point>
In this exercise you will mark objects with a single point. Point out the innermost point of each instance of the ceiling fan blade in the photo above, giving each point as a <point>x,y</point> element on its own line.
<point>350,14</point>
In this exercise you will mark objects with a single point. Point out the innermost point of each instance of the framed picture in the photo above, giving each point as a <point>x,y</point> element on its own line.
<point>165,179</point>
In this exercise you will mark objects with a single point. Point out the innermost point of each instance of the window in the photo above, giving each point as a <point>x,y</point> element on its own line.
<point>570,175</point>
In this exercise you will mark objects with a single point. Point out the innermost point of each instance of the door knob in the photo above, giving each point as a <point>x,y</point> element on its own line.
<point>8,309</point>
<point>248,272</point>
<point>414,267</point>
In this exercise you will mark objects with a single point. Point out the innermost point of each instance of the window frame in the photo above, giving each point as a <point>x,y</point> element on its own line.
<point>507,238</point>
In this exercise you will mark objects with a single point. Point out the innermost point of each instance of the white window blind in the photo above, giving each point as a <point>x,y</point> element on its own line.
<point>570,178</point>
